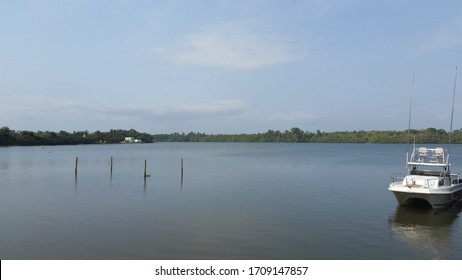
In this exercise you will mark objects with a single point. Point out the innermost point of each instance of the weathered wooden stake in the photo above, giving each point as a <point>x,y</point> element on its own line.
<point>145,165</point>
<point>111,166</point>
<point>181,170</point>
<point>76,164</point>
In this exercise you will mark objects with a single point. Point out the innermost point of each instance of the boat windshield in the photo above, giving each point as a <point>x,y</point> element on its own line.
<point>429,157</point>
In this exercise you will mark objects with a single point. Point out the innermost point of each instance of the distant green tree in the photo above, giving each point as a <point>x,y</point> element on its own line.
<point>6,137</point>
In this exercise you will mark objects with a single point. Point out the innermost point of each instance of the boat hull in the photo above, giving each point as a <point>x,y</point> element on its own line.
<point>436,198</point>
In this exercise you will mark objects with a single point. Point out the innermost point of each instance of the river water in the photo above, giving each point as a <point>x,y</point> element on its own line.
<point>233,201</point>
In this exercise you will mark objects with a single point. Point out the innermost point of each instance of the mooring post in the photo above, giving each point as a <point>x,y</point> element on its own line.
<point>145,166</point>
<point>181,170</point>
<point>111,166</point>
<point>76,164</point>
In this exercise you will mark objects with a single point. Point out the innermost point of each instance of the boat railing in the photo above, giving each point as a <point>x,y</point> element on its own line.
<point>430,184</point>
<point>396,179</point>
<point>455,179</point>
<point>425,183</point>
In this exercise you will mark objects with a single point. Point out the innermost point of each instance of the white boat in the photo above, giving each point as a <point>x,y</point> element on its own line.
<point>428,178</point>
<point>428,175</point>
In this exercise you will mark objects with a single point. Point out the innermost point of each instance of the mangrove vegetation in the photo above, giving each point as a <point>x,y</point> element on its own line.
<point>9,137</point>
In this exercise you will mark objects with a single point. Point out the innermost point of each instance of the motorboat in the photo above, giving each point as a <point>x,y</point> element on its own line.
<point>428,175</point>
<point>428,179</point>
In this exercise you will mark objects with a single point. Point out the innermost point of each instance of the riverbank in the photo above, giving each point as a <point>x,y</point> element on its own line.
<point>9,137</point>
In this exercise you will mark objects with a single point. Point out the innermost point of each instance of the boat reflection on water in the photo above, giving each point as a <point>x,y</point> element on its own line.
<point>426,231</point>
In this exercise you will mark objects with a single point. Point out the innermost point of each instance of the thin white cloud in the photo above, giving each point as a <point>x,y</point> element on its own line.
<point>293,116</point>
<point>445,36</point>
<point>222,107</point>
<point>41,108</point>
<point>233,45</point>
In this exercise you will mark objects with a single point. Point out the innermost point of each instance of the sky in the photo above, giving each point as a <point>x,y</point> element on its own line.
<point>225,67</point>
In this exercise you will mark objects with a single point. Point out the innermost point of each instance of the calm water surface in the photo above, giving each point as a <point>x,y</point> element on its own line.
<point>235,201</point>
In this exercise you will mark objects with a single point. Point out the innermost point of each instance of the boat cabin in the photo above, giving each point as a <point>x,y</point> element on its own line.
<point>430,167</point>
<point>428,162</point>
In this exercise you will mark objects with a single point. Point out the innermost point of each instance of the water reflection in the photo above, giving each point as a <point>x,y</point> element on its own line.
<point>76,185</point>
<point>425,230</point>
<point>4,165</point>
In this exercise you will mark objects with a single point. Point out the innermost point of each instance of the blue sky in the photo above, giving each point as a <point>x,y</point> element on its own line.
<point>228,66</point>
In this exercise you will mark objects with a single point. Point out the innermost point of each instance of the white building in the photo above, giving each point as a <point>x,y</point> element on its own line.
<point>132,140</point>
<point>129,139</point>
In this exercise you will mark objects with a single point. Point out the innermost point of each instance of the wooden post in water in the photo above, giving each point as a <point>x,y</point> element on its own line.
<point>111,166</point>
<point>181,170</point>
<point>145,166</point>
<point>76,164</point>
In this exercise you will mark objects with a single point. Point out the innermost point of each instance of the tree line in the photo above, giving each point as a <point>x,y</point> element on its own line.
<point>9,137</point>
